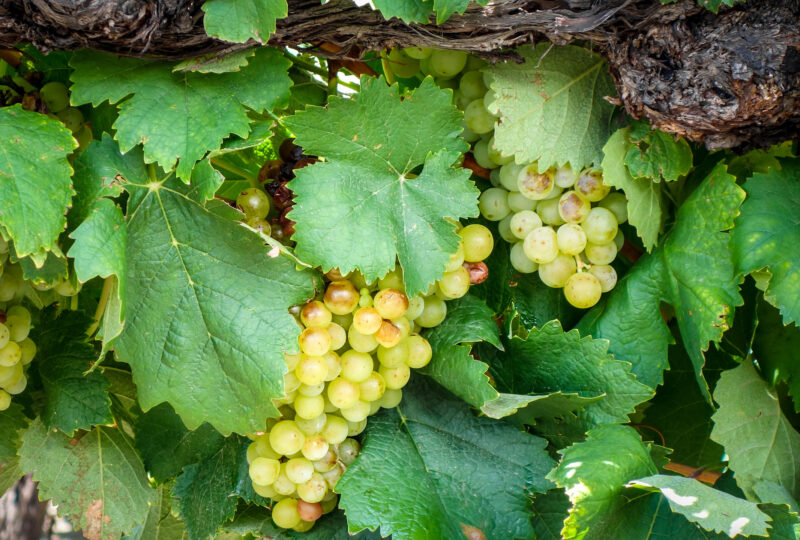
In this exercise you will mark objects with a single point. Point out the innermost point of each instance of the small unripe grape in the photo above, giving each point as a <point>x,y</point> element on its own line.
<point>264,471</point>
<point>582,290</point>
<point>478,242</point>
<point>565,177</point>
<point>335,430</point>
<point>618,204</point>
<point>520,261</point>
<point>315,341</point>
<point>524,222</point>
<point>311,370</point>
<point>556,273</point>
<point>493,204</point>
<point>571,239</point>
<point>55,95</point>
<point>600,226</point>
<point>286,438</point>
<point>299,470</point>
<point>481,154</point>
<point>401,64</point>
<point>311,426</point>
<point>471,85</point>
<point>504,228</point>
<point>447,63</point>
<point>283,485</point>
<point>314,489</point>
<point>259,224</point>
<point>334,364</point>
<point>72,118</point>
<point>393,356</point>
<point>478,119</point>
<point>356,413</point>
<point>548,211</point>
<point>361,342</point>
<point>343,393</point>
<point>268,492</point>
<point>285,513</point>
<point>356,366</point>
<point>391,398</point>
<point>315,314</point>
<point>333,476</point>
<point>396,377</point>
<point>390,303</point>
<point>5,400</point>
<point>315,447</point>
<point>341,297</point>
<point>419,351</point>
<point>338,336</point>
<point>433,314</point>
<point>541,245</point>
<point>10,355</point>
<point>517,202</point>
<point>373,387</point>
<point>497,156</point>
<point>253,202</point>
<point>309,406</point>
<point>456,260</point>
<point>605,274</point>
<point>17,387</point>
<point>10,375</point>
<point>367,320</point>
<point>601,253</point>
<point>348,451</point>
<point>418,53</point>
<point>454,284</point>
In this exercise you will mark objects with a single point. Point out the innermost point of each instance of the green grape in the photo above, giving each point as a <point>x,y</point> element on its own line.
<point>356,366</point>
<point>341,298</point>
<point>5,335</point>
<point>285,514</point>
<point>391,398</point>
<point>541,245</point>
<point>309,512</point>
<point>309,406</point>
<point>456,260</point>
<point>313,491</point>
<point>388,335</point>
<point>268,492</point>
<point>404,324</point>
<point>303,526</point>
<point>605,274</point>
<point>617,204</point>
<point>343,393</point>
<point>481,154</point>
<point>391,303</point>
<point>327,462</point>
<point>520,261</point>
<point>582,290</point>
<point>548,211</point>
<point>333,364</point>
<point>600,226</point>
<point>283,485</point>
<point>3,246</point>
<point>72,118</point>
<point>601,253</point>
<point>454,284</point>
<point>556,273</point>
<point>471,85</point>
<point>416,303</point>
<point>10,355</point>
<point>55,96</point>
<point>496,155</point>
<point>10,283</point>
<point>447,63</point>
<point>591,187</point>
<point>372,388</point>
<point>66,288</point>
<point>367,320</point>
<point>419,351</point>
<point>523,223</point>
<point>348,451</point>
<point>619,240</point>
<point>333,476</point>
<point>478,119</point>
<point>311,370</point>
<point>508,176</point>
<point>315,314</point>
<point>311,426</point>
<point>396,377</point>
<point>291,382</point>
<point>264,471</point>
<point>286,438</point>
<point>401,64</point>
<point>253,202</point>
<point>298,470</point>
<point>84,137</point>
<point>565,177</point>
<point>393,280</point>
<point>338,336</point>
<point>447,83</point>
<point>504,228</point>
<point>494,174</point>
<point>259,224</point>
<point>5,400</point>
<point>573,208</point>
<point>533,185</point>
<point>393,356</point>
<point>467,134</point>
<point>493,204</point>
<point>315,341</point>
<point>434,312</point>
<point>361,342</point>
<point>478,242</point>
<point>517,202</point>
<point>18,387</point>
<point>335,430</point>
<point>418,53</point>
<point>358,412</point>
<point>264,449</point>
<point>571,239</point>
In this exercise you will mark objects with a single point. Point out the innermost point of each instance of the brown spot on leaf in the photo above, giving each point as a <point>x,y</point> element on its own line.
<point>96,521</point>
<point>472,533</point>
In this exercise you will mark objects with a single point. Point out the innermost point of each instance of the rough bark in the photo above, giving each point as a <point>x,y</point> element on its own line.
<point>730,80</point>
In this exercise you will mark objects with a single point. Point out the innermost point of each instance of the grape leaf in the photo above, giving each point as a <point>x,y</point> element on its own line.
<point>362,208</point>
<point>220,361</point>
<point>552,107</point>
<point>594,472</point>
<point>767,235</point>
<point>73,400</point>
<point>215,62</point>
<point>51,272</point>
<point>549,512</point>
<point>696,246</point>
<point>552,361</point>
<point>34,147</point>
<point>468,321</point>
<point>171,113</point>
<point>646,206</point>
<point>203,493</point>
<point>167,446</point>
<point>160,524</point>
<point>242,20</point>
<point>759,440</point>
<point>777,349</point>
<point>97,481</point>
<point>331,526</point>
<point>656,155</point>
<point>100,242</point>
<point>712,509</point>
<point>12,420</point>
<point>449,472</point>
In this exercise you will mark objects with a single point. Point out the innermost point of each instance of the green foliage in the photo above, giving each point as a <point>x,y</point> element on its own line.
<point>552,107</point>
<point>241,20</point>
<point>657,155</point>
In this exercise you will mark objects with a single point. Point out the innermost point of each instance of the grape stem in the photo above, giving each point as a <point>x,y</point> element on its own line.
<point>274,244</point>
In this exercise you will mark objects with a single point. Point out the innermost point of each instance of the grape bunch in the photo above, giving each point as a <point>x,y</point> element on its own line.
<point>16,352</point>
<point>55,97</point>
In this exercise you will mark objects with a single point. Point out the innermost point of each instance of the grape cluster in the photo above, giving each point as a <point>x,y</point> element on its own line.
<point>357,348</point>
<point>55,97</point>
<point>16,352</point>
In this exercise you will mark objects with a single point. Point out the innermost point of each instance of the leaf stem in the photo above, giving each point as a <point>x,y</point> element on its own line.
<point>274,244</point>
<point>105,294</point>
<point>235,170</point>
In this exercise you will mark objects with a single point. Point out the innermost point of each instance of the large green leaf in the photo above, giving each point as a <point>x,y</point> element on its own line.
<point>552,107</point>
<point>221,359</point>
<point>12,421</point>
<point>692,271</point>
<point>594,473</point>
<point>100,243</point>
<point>242,20</point>
<point>160,524</point>
<point>167,446</point>
<point>362,208</point>
<point>646,205</point>
<point>712,509</point>
<point>258,520</point>
<point>777,349</point>
<point>468,321</point>
<point>767,235</point>
<point>758,439</point>
<point>549,512</point>
<point>203,493</point>
<point>97,480</point>
<point>431,469</point>
<point>74,399</point>
<point>656,155</point>
<point>33,148</point>
<point>179,116</point>
<point>551,361</point>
